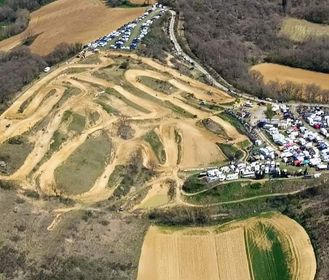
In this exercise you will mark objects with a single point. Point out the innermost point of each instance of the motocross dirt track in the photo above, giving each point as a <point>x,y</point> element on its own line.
<point>47,110</point>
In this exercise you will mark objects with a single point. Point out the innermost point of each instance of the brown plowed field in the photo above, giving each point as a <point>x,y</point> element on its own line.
<point>71,21</point>
<point>282,74</point>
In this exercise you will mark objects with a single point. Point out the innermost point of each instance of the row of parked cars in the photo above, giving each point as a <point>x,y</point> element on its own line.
<point>125,38</point>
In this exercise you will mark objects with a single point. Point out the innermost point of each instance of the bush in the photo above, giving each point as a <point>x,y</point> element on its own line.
<point>6,185</point>
<point>62,52</point>
<point>181,216</point>
<point>15,15</point>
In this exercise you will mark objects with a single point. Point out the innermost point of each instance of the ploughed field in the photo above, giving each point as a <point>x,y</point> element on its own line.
<point>270,246</point>
<point>71,21</point>
<point>282,74</point>
<point>110,126</point>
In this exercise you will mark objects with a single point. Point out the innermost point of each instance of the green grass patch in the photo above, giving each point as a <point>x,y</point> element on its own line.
<point>233,121</point>
<point>107,107</point>
<point>178,110</point>
<point>139,93</point>
<point>14,153</point>
<point>230,151</point>
<point>126,100</point>
<point>137,30</point>
<point>80,171</point>
<point>77,123</point>
<point>68,93</point>
<point>153,139</point>
<point>194,184</point>
<point>111,73</point>
<point>58,139</point>
<point>178,140</point>
<point>244,145</point>
<point>231,191</point>
<point>91,59</point>
<point>268,258</point>
<point>26,103</point>
<point>158,85</point>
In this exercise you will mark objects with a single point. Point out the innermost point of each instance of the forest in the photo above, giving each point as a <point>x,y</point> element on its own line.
<point>19,67</point>
<point>15,15</point>
<point>230,36</point>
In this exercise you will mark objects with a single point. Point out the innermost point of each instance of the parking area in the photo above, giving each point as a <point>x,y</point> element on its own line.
<point>130,35</point>
<point>301,139</point>
<point>298,146</point>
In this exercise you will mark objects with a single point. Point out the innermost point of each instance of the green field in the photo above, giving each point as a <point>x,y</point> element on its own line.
<point>80,171</point>
<point>268,258</point>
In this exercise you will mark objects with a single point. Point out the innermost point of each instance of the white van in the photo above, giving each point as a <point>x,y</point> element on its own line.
<point>232,176</point>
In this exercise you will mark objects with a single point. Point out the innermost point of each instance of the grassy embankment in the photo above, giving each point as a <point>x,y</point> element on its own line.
<point>80,171</point>
<point>231,191</point>
<point>153,139</point>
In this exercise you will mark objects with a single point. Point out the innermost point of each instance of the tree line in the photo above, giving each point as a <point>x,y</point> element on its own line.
<point>19,67</point>
<point>15,15</point>
<point>288,90</point>
<point>126,3</point>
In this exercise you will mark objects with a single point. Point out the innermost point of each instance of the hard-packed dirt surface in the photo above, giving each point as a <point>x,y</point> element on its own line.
<point>100,104</point>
